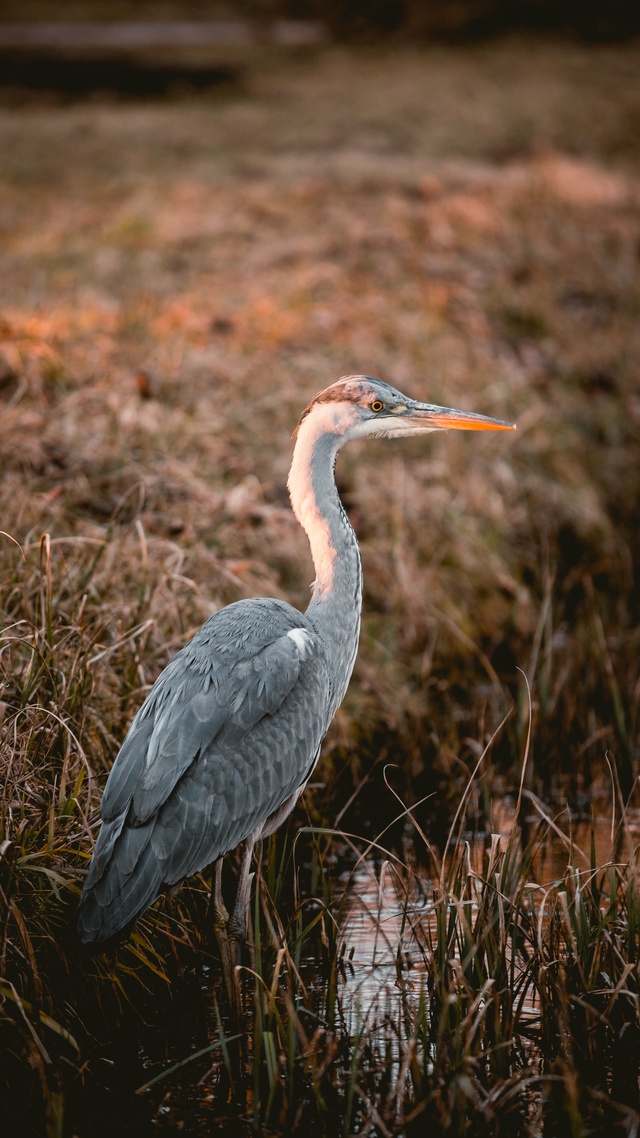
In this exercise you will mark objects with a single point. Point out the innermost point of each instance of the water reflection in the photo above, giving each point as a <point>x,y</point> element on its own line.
<point>379,942</point>
<point>377,939</point>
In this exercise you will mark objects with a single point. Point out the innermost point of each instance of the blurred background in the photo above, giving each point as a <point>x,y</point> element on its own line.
<point>359,18</point>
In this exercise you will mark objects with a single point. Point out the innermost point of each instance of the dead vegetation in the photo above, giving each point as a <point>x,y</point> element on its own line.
<point>178,279</point>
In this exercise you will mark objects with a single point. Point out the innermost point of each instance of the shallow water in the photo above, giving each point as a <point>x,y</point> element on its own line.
<point>376,930</point>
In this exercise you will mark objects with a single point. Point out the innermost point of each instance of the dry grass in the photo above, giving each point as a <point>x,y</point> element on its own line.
<point>178,280</point>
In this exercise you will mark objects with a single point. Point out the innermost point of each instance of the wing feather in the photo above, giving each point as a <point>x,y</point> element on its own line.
<point>226,735</point>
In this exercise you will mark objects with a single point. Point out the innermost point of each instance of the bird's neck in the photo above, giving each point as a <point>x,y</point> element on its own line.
<point>336,600</point>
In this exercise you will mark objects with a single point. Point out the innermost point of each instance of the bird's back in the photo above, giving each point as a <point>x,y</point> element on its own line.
<point>228,733</point>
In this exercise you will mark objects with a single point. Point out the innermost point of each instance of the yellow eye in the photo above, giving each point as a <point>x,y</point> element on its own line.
<point>377,405</point>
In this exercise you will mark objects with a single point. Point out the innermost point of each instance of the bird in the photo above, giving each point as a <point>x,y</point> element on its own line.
<point>228,736</point>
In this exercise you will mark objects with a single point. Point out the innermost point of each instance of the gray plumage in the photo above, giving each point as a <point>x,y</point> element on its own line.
<point>223,745</point>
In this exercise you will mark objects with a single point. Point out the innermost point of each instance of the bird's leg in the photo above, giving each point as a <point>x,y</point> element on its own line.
<point>237,926</point>
<point>231,930</point>
<point>220,928</point>
<point>220,914</point>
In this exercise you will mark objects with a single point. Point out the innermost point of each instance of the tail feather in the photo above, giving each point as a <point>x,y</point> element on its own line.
<point>124,879</point>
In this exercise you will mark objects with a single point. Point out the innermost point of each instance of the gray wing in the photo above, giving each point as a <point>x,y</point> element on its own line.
<point>229,731</point>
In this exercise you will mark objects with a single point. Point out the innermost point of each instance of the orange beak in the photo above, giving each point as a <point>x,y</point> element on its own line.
<point>448,419</point>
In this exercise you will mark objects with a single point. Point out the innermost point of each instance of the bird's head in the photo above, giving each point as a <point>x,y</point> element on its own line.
<point>358,407</point>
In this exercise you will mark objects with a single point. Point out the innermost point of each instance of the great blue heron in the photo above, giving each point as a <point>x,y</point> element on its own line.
<point>226,740</point>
